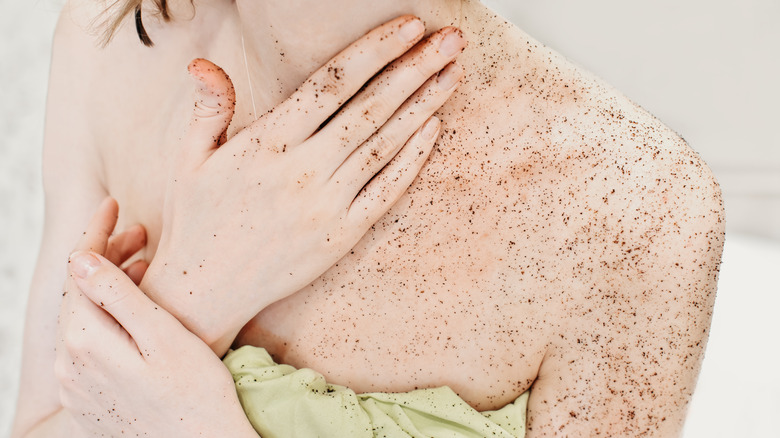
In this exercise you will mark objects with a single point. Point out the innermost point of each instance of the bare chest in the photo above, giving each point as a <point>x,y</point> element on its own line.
<point>459,284</point>
<point>451,287</point>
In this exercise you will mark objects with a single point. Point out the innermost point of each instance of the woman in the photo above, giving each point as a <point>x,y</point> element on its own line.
<point>559,239</point>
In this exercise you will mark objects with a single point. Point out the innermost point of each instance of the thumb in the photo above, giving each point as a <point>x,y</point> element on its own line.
<point>107,286</point>
<point>215,103</point>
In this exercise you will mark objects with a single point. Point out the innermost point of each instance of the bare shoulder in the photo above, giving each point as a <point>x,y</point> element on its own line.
<point>77,42</point>
<point>603,176</point>
<point>618,174</point>
<point>626,229</point>
<point>646,239</point>
<point>71,174</point>
<point>84,70</point>
<point>643,242</point>
<point>94,105</point>
<point>651,199</point>
<point>70,145</point>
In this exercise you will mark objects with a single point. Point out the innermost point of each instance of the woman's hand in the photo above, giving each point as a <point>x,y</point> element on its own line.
<point>126,367</point>
<point>252,220</point>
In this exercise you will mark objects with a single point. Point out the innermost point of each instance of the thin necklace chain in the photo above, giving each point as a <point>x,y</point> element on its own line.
<point>246,64</point>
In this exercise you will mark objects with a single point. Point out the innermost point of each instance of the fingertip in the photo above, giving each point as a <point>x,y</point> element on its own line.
<point>430,129</point>
<point>109,200</point>
<point>215,94</point>
<point>194,64</point>
<point>109,206</point>
<point>137,270</point>
<point>196,71</point>
<point>197,66</point>
<point>450,77</point>
<point>95,276</point>
<point>411,29</point>
<point>108,211</point>
<point>209,75</point>
<point>139,231</point>
<point>406,18</point>
<point>83,264</point>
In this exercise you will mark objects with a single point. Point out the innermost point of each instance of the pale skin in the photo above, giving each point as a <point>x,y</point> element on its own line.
<point>91,342</point>
<point>559,238</point>
<point>306,180</point>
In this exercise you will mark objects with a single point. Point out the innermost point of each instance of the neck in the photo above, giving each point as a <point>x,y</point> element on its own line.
<point>287,40</point>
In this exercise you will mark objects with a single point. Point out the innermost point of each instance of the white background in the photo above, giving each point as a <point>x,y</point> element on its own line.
<point>709,69</point>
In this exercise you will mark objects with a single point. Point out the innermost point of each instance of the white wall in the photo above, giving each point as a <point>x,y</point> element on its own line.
<point>26,27</point>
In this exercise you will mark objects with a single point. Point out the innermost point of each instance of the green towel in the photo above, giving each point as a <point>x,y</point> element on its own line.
<point>281,401</point>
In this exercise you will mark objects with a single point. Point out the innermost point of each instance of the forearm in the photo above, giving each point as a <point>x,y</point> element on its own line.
<point>190,297</point>
<point>59,424</point>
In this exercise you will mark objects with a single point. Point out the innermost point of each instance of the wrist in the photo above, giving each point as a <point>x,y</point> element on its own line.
<point>190,298</point>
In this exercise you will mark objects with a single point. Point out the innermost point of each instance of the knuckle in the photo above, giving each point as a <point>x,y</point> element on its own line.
<point>386,42</point>
<point>204,111</point>
<point>378,47</point>
<point>69,338</point>
<point>110,289</point>
<point>328,81</point>
<point>431,96</point>
<point>421,67</point>
<point>381,145</point>
<point>374,106</point>
<point>76,340</point>
<point>259,130</point>
<point>426,61</point>
<point>333,78</point>
<point>385,57</point>
<point>114,295</point>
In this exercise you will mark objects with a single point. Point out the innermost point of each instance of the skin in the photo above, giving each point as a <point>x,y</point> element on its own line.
<point>559,239</point>
<point>100,332</point>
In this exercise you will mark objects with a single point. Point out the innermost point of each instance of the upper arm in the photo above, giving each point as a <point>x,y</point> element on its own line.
<point>626,361</point>
<point>73,189</point>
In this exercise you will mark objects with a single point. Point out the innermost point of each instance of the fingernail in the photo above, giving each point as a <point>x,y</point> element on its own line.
<point>430,128</point>
<point>83,264</point>
<point>449,76</point>
<point>453,43</point>
<point>411,30</point>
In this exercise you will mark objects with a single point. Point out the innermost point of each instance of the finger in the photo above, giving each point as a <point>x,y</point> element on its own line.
<point>108,287</point>
<point>388,91</point>
<point>95,238</point>
<point>215,104</point>
<point>382,192</point>
<point>88,338</point>
<point>70,290</point>
<point>339,79</point>
<point>122,246</point>
<point>94,336</point>
<point>137,270</point>
<point>66,307</point>
<point>100,227</point>
<point>375,153</point>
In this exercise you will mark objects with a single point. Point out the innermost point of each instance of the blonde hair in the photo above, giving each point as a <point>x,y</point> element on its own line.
<point>115,13</point>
